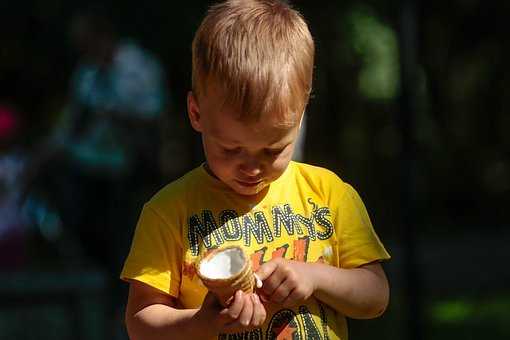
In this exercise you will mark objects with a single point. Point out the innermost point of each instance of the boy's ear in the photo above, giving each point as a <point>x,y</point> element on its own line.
<point>194,112</point>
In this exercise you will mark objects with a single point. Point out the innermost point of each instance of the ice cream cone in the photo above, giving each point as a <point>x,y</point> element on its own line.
<point>225,271</point>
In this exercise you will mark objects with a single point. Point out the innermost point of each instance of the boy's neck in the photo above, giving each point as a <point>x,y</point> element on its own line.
<point>257,197</point>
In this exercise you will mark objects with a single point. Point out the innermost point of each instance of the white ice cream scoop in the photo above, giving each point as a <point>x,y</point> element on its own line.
<point>226,270</point>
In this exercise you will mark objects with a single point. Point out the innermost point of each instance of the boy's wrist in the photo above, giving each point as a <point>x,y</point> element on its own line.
<point>202,325</point>
<point>319,276</point>
<point>316,276</point>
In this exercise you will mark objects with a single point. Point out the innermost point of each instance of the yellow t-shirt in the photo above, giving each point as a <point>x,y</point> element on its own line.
<point>308,214</point>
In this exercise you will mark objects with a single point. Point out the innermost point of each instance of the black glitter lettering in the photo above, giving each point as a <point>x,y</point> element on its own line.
<point>230,225</point>
<point>320,217</point>
<point>203,230</point>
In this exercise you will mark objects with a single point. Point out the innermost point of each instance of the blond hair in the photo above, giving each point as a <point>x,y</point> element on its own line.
<point>259,53</point>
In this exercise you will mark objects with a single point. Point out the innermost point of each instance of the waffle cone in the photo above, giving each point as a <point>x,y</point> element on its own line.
<point>224,288</point>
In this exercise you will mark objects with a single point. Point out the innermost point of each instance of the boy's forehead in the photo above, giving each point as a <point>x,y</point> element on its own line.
<point>216,99</point>
<point>232,130</point>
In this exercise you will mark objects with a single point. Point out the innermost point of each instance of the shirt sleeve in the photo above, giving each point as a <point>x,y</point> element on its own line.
<point>155,254</point>
<point>358,243</point>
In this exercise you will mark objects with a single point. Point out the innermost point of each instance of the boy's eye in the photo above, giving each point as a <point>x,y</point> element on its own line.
<point>231,151</point>
<point>274,152</point>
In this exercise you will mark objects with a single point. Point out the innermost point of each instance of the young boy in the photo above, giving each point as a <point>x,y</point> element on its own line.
<point>307,232</point>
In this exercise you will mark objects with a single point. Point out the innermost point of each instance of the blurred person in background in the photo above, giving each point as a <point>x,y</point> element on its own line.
<point>13,221</point>
<point>105,142</point>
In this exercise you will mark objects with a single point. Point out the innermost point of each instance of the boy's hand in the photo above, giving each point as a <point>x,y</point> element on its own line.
<point>244,313</point>
<point>286,282</point>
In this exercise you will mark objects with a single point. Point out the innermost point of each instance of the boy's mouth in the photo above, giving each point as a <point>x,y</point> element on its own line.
<point>249,183</point>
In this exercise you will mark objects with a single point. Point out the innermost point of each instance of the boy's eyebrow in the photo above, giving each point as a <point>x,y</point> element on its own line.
<point>276,145</point>
<point>218,136</point>
<point>281,144</point>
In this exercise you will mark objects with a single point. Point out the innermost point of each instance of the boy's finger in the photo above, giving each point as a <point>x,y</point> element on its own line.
<point>280,293</point>
<point>258,281</point>
<point>259,311</point>
<point>247,311</point>
<point>273,281</point>
<point>292,299</point>
<point>267,269</point>
<point>236,306</point>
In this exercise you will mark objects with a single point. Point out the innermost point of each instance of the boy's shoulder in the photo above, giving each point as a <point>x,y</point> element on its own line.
<point>176,191</point>
<point>322,180</point>
<point>316,174</point>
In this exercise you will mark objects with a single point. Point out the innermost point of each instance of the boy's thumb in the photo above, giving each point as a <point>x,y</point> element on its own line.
<point>266,270</point>
<point>258,281</point>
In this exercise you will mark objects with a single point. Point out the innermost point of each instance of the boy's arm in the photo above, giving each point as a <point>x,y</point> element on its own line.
<point>360,293</point>
<point>152,315</point>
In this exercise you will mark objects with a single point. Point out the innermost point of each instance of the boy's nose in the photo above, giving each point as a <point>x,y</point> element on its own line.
<point>251,168</point>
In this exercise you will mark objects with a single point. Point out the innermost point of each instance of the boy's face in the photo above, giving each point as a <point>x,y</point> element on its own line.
<point>245,156</point>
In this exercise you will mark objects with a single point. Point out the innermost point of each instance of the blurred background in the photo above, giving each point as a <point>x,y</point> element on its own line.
<point>411,105</point>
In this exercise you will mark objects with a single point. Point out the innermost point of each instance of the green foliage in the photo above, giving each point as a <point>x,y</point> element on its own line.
<point>376,44</point>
